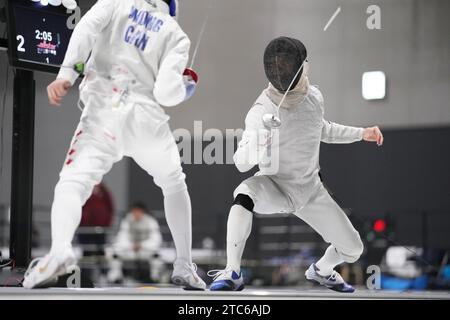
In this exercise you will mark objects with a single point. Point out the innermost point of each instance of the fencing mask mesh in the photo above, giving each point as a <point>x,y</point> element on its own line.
<point>282,59</point>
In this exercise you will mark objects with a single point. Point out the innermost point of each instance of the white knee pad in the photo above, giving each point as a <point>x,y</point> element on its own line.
<point>352,254</point>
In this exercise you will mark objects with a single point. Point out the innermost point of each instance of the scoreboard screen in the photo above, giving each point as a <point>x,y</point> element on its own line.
<point>38,35</point>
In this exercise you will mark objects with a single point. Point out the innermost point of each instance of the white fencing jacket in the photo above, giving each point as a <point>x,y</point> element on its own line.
<point>294,147</point>
<point>139,35</point>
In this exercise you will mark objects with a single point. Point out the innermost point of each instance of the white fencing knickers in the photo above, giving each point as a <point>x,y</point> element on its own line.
<point>104,136</point>
<point>321,212</point>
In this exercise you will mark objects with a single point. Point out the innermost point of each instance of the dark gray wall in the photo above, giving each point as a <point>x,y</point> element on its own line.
<point>408,179</point>
<point>408,176</point>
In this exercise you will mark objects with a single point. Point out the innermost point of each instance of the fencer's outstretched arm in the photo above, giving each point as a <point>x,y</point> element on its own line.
<point>255,141</point>
<point>337,133</point>
<point>170,89</point>
<point>84,36</point>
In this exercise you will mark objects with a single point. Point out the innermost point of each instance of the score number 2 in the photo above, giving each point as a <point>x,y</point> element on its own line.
<point>21,41</point>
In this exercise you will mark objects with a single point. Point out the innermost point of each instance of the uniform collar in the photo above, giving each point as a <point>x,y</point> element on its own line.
<point>293,98</point>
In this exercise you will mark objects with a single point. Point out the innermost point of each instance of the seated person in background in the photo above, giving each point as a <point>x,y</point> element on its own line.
<point>98,211</point>
<point>139,240</point>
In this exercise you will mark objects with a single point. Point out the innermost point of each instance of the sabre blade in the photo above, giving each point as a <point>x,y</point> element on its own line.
<point>202,32</point>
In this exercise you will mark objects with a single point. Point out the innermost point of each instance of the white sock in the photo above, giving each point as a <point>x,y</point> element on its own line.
<point>239,227</point>
<point>65,218</point>
<point>330,259</point>
<point>179,218</point>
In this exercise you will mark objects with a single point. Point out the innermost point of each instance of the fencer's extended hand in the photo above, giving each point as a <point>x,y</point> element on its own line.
<point>190,81</point>
<point>57,90</point>
<point>373,134</point>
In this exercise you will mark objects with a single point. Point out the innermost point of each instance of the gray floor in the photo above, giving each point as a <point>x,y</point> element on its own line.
<point>158,293</point>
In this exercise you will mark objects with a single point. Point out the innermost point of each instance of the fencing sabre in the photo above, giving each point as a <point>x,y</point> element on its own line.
<point>201,34</point>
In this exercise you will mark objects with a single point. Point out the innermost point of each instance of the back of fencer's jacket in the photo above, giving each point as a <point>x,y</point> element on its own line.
<point>135,37</point>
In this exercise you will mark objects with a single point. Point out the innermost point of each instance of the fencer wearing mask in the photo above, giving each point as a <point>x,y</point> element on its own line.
<point>283,132</point>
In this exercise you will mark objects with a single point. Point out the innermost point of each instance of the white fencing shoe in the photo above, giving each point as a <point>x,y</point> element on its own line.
<point>333,281</point>
<point>185,275</point>
<point>226,280</point>
<point>45,271</point>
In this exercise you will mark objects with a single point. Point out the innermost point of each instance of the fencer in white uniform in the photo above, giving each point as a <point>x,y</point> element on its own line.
<point>288,178</point>
<point>136,55</point>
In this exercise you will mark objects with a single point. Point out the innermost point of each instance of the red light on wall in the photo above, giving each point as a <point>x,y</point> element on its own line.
<point>379,225</point>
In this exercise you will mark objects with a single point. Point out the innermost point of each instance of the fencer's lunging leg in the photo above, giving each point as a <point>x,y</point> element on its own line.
<point>91,155</point>
<point>162,161</point>
<point>239,227</point>
<point>329,261</point>
<point>325,216</point>
<point>179,218</point>
<point>66,214</point>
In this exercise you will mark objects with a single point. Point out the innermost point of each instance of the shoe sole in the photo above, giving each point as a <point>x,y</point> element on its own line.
<point>229,289</point>
<point>179,281</point>
<point>317,283</point>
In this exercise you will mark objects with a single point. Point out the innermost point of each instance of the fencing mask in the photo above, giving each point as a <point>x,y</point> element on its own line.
<point>283,58</point>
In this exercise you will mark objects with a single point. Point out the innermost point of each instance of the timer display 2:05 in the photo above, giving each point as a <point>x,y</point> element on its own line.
<point>40,35</point>
<point>43,35</point>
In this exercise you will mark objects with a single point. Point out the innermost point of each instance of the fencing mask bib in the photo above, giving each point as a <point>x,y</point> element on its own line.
<point>283,58</point>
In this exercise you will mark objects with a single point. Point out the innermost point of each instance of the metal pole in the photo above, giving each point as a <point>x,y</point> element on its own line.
<point>22,167</point>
